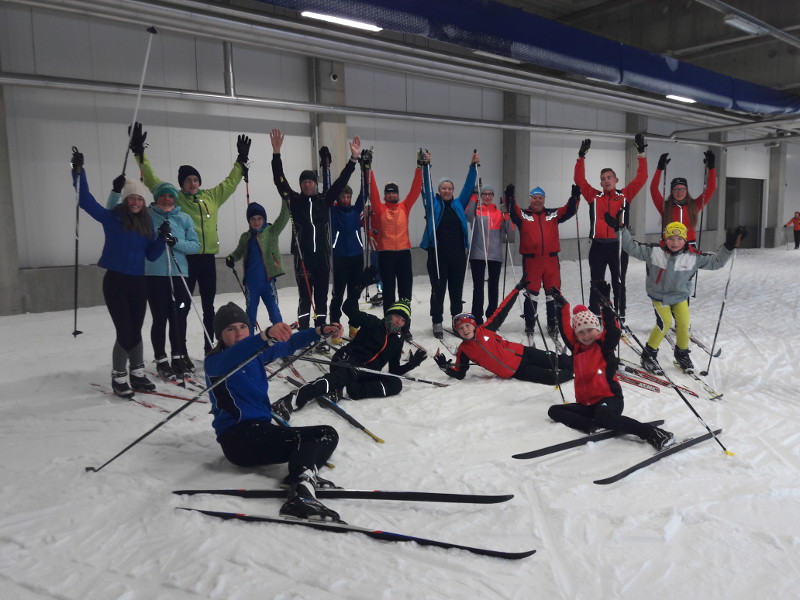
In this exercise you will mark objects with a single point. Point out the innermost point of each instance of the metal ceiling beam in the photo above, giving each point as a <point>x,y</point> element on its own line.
<point>727,9</point>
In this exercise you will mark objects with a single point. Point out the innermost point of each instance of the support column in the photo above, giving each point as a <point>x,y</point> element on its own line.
<point>777,214</point>
<point>11,289</point>
<point>327,87</point>
<point>637,218</point>
<point>516,154</point>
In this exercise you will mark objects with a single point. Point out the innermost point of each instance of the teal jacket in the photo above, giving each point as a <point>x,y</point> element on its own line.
<point>460,204</point>
<point>268,241</point>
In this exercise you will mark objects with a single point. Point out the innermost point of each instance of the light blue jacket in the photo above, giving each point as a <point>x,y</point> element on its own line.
<point>459,205</point>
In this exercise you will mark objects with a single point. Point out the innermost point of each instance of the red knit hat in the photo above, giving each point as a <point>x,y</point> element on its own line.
<point>583,319</point>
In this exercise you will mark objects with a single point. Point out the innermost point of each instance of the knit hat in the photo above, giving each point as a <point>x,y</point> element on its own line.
<point>184,171</point>
<point>678,181</point>
<point>583,319</point>
<point>253,209</point>
<point>487,188</point>
<point>133,186</point>
<point>402,307</point>
<point>443,180</point>
<point>675,228</point>
<point>537,191</point>
<point>228,315</point>
<point>462,318</point>
<point>391,187</point>
<point>165,188</point>
<point>308,174</point>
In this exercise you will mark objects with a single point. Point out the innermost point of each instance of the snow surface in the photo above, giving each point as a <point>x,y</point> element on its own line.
<point>698,524</point>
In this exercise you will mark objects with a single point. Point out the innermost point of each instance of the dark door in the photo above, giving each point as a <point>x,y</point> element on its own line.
<point>744,200</point>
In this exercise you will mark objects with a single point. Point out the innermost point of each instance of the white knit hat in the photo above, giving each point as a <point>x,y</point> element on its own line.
<point>583,319</point>
<point>133,186</point>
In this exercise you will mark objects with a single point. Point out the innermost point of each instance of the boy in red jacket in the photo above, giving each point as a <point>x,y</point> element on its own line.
<point>597,391</point>
<point>483,346</point>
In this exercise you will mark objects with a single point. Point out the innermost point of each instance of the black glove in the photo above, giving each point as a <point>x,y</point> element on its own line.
<point>523,283</point>
<point>325,157</point>
<point>138,138</point>
<point>415,359</point>
<point>576,191</point>
<point>709,159</point>
<point>441,361</point>
<point>170,240</point>
<point>603,288</point>
<point>118,183</point>
<point>638,141</point>
<point>585,145</point>
<point>229,262</point>
<point>663,161</point>
<point>734,236</point>
<point>421,159</point>
<point>77,160</point>
<point>165,233</point>
<point>509,193</point>
<point>243,148</point>
<point>612,222</point>
<point>558,299</point>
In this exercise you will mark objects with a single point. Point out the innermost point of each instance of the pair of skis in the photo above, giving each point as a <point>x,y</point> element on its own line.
<point>340,493</point>
<point>604,435</point>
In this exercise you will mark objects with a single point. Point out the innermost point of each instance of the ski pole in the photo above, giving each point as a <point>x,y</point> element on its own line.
<point>366,370</point>
<point>721,310</point>
<point>700,229</point>
<point>553,360</point>
<point>348,417</point>
<point>194,306</point>
<point>174,305</point>
<point>175,413</point>
<point>75,331</point>
<point>580,262</point>
<point>431,215</point>
<point>152,31</point>
<point>292,359</point>
<point>244,293</point>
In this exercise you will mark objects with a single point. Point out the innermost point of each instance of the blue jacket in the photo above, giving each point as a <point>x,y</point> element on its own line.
<point>182,228</point>
<point>123,251</point>
<point>346,238</point>
<point>462,199</point>
<point>244,395</point>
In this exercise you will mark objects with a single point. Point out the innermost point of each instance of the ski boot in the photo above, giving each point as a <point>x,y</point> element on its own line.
<point>352,331</point>
<point>303,504</point>
<point>684,360</point>
<point>119,384</point>
<point>650,361</point>
<point>660,439</point>
<point>179,368</point>
<point>438,331</point>
<point>139,381</point>
<point>283,406</point>
<point>188,364</point>
<point>552,330</point>
<point>163,368</point>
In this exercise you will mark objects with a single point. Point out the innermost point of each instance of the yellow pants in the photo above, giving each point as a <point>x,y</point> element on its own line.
<point>666,312</point>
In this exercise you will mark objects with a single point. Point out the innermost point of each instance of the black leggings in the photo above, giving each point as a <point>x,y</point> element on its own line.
<point>126,299</point>
<point>607,413</point>
<point>478,268</point>
<point>537,366</point>
<point>203,271</point>
<point>602,255</point>
<point>347,272</point>
<point>359,385</point>
<point>452,268</point>
<point>259,442</point>
<point>159,298</point>
<point>396,275</point>
<point>313,273</point>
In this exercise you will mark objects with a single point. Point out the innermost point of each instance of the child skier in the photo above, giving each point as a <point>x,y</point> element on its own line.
<point>671,264</point>
<point>484,346</point>
<point>258,248</point>
<point>597,391</point>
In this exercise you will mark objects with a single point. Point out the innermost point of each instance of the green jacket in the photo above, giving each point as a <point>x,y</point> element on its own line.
<point>203,207</point>
<point>268,242</point>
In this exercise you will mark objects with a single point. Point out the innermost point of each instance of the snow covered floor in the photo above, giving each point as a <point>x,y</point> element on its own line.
<point>697,525</point>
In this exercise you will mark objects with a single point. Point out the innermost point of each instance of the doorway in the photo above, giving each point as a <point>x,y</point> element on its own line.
<point>744,200</point>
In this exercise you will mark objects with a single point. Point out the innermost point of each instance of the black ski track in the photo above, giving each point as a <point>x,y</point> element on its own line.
<point>658,456</point>
<point>594,437</point>
<point>378,534</point>
<point>352,494</point>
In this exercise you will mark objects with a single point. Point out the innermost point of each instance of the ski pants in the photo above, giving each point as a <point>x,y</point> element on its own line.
<point>312,275</point>
<point>452,269</point>
<point>126,300</point>
<point>396,275</point>
<point>665,313</point>
<point>478,268</point>
<point>796,239</point>
<point>164,312</point>
<point>604,254</point>
<point>347,272</point>
<point>259,442</point>
<point>606,414</point>
<point>267,292</point>
<point>540,271</point>
<point>537,366</point>
<point>203,272</point>
<point>359,385</point>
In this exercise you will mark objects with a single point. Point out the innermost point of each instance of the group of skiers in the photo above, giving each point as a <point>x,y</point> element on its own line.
<point>468,229</point>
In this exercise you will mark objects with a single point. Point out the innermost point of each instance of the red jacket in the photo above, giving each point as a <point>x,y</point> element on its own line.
<point>390,219</point>
<point>538,232</point>
<point>601,202</point>
<point>595,366</point>
<point>680,214</point>
<point>794,221</point>
<point>488,349</point>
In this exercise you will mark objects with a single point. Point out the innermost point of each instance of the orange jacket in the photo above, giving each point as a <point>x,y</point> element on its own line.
<point>795,221</point>
<point>391,219</point>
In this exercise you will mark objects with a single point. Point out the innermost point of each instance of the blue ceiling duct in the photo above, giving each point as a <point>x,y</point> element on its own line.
<point>499,29</point>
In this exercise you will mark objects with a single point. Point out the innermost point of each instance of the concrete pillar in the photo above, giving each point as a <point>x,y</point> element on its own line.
<point>327,87</point>
<point>636,124</point>
<point>516,152</point>
<point>11,290</point>
<point>777,212</point>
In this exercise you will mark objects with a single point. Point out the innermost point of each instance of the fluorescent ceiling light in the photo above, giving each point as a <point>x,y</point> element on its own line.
<point>341,21</point>
<point>681,99</point>
<point>497,57</point>
<point>746,25</point>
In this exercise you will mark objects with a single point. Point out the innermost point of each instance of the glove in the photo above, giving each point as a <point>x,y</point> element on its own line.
<point>165,233</point>
<point>612,222</point>
<point>709,159</point>
<point>77,160</point>
<point>415,359</point>
<point>576,191</point>
<point>423,158</point>
<point>663,161</point>
<point>523,283</point>
<point>603,288</point>
<point>118,183</point>
<point>558,299</point>
<point>441,361</point>
<point>170,240</point>
<point>509,193</point>
<point>585,145</point>
<point>325,157</point>
<point>138,138</point>
<point>243,148</point>
<point>328,330</point>
<point>638,141</point>
<point>229,262</point>
<point>734,236</point>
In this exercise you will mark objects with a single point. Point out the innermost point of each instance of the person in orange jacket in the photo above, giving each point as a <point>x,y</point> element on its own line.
<point>795,222</point>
